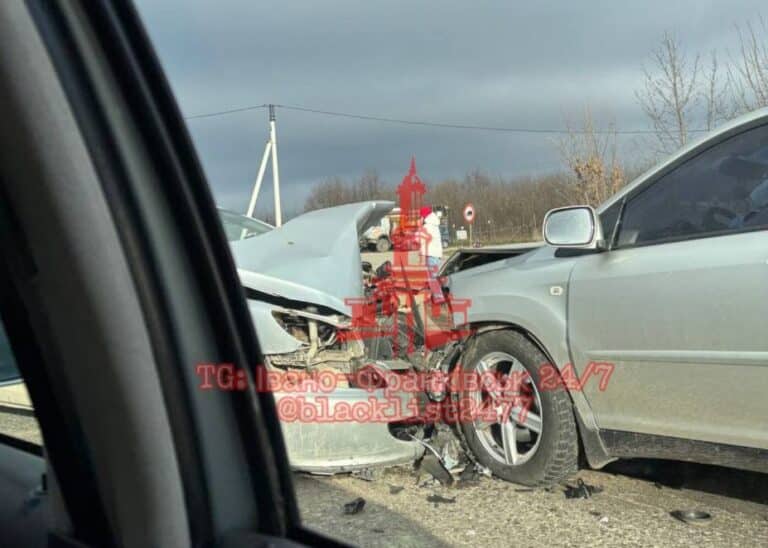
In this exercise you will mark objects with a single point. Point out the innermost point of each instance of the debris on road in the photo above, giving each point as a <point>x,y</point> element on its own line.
<point>432,465</point>
<point>354,507</point>
<point>581,491</point>
<point>469,476</point>
<point>395,489</point>
<point>629,512</point>
<point>601,519</point>
<point>692,517</point>
<point>443,454</point>
<point>451,453</point>
<point>437,499</point>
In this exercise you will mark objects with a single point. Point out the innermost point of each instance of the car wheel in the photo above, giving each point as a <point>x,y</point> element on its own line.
<point>383,245</point>
<point>519,431</point>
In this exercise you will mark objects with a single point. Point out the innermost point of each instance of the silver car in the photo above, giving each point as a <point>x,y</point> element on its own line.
<point>638,327</point>
<point>297,280</point>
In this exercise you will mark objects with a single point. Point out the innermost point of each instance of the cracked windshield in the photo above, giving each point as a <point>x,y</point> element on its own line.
<point>506,261</point>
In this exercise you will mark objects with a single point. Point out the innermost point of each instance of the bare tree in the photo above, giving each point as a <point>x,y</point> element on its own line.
<point>714,93</point>
<point>371,187</point>
<point>591,157</point>
<point>507,209</point>
<point>669,93</point>
<point>336,191</point>
<point>749,74</point>
<point>328,193</point>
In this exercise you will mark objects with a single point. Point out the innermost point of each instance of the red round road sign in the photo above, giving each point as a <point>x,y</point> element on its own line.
<point>469,213</point>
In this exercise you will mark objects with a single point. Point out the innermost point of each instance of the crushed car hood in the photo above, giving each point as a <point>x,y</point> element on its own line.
<point>312,258</point>
<point>466,258</point>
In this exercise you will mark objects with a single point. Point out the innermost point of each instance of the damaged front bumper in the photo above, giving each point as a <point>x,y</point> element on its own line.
<point>346,429</point>
<point>340,428</point>
<point>301,281</point>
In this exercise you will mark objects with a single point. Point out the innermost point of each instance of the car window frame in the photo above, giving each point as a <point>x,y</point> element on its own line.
<point>165,218</point>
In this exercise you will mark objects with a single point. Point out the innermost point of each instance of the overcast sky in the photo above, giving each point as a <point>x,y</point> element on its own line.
<point>496,63</point>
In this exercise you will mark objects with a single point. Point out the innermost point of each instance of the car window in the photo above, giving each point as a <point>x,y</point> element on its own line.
<point>8,369</point>
<point>722,190</point>
<point>17,418</point>
<point>240,227</point>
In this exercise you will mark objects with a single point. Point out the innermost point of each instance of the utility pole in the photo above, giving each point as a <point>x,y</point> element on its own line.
<point>270,150</point>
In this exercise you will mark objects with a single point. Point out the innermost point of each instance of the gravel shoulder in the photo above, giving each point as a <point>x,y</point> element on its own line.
<point>629,512</point>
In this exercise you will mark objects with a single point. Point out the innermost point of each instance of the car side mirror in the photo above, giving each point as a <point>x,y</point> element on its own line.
<point>573,226</point>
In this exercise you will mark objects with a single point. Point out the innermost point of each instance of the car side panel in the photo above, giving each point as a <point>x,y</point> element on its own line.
<point>683,323</point>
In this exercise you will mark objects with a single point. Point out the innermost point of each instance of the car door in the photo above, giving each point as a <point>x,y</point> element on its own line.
<point>678,305</point>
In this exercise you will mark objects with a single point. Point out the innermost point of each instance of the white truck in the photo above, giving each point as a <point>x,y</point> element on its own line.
<point>378,236</point>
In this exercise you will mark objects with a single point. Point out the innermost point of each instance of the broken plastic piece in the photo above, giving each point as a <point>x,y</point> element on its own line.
<point>354,507</point>
<point>692,517</point>
<point>469,476</point>
<point>435,468</point>
<point>581,491</point>
<point>437,499</point>
<point>484,470</point>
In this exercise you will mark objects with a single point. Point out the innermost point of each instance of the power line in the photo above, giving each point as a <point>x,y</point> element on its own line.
<point>401,121</point>
<point>224,112</point>
<point>455,126</point>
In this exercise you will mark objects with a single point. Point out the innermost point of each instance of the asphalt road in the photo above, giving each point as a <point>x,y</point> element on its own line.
<point>19,424</point>
<point>632,510</point>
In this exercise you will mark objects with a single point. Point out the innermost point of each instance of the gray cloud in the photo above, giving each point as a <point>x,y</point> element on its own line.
<point>484,62</point>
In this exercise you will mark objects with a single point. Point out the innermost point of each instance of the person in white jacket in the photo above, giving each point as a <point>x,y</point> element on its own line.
<point>431,248</point>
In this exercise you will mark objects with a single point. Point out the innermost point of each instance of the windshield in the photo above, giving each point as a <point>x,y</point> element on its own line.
<point>8,368</point>
<point>385,173</point>
<point>603,394</point>
<point>240,227</point>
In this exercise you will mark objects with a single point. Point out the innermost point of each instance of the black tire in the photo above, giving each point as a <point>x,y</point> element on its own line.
<point>383,245</point>
<point>556,455</point>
